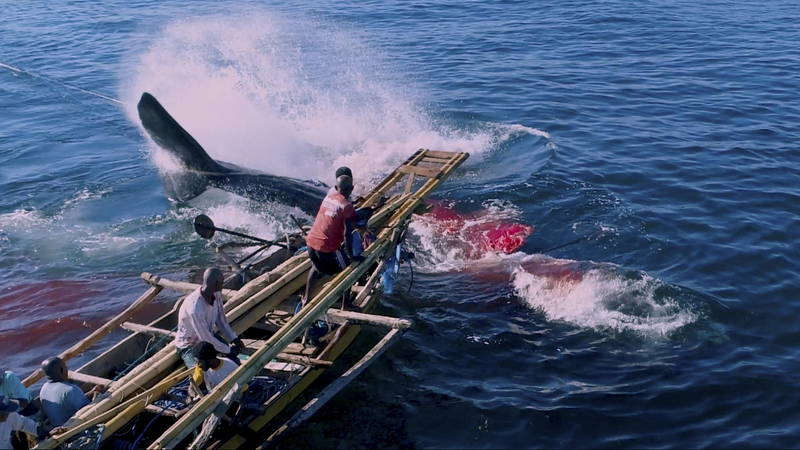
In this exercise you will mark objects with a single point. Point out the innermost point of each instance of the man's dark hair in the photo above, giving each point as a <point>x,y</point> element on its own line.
<point>203,351</point>
<point>344,170</point>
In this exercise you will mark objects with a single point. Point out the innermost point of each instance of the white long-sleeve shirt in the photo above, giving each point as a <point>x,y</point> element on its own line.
<point>15,422</point>
<point>198,321</point>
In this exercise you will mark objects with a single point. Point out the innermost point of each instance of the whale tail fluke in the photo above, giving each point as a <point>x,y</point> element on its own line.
<point>202,171</point>
<point>170,135</point>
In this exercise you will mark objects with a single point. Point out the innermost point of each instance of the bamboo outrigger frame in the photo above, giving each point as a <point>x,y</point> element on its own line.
<point>254,306</point>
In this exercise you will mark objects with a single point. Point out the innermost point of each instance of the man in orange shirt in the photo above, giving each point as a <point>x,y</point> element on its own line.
<point>330,230</point>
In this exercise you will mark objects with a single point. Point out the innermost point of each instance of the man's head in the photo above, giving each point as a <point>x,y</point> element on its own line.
<point>55,368</point>
<point>212,280</point>
<point>205,354</point>
<point>344,171</point>
<point>344,185</point>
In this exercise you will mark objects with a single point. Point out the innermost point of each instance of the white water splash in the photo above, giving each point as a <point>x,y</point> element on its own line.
<point>597,296</point>
<point>294,97</point>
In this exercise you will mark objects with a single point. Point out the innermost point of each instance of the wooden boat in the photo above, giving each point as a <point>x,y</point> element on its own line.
<point>145,403</point>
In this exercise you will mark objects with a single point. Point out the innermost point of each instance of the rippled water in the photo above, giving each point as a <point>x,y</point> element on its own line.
<point>664,132</point>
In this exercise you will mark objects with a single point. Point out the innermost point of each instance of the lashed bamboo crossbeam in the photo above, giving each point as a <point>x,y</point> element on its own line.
<point>335,387</point>
<point>428,172</point>
<point>99,333</point>
<point>178,286</point>
<point>391,180</point>
<point>313,309</point>
<point>90,379</point>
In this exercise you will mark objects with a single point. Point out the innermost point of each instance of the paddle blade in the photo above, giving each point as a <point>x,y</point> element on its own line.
<point>204,226</point>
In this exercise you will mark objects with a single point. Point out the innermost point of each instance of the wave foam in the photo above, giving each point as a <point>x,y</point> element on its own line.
<point>597,296</point>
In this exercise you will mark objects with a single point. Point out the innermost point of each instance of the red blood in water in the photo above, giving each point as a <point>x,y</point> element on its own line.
<point>480,233</point>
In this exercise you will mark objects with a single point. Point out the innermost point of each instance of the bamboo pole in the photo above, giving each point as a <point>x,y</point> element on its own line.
<point>335,387</point>
<point>370,284</point>
<point>178,286</point>
<point>99,333</point>
<point>83,378</point>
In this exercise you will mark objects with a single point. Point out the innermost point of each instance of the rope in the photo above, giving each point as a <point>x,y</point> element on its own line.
<point>146,427</point>
<point>61,83</point>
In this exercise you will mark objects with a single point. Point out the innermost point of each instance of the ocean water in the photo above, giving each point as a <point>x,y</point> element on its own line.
<point>666,133</point>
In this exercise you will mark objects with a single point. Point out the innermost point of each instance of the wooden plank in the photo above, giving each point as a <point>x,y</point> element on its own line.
<point>432,159</point>
<point>303,360</point>
<point>90,379</point>
<point>279,403</point>
<point>429,172</point>
<point>99,333</point>
<point>389,182</point>
<point>441,154</point>
<point>300,349</point>
<point>409,183</point>
<point>334,388</point>
<point>340,316</point>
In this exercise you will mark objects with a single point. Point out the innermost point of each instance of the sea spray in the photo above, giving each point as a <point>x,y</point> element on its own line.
<point>293,97</point>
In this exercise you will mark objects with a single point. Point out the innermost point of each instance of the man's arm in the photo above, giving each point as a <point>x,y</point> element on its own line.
<point>222,321</point>
<point>349,218</point>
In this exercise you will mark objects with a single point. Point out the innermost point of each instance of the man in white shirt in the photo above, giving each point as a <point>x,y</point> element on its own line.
<point>201,317</point>
<point>10,421</point>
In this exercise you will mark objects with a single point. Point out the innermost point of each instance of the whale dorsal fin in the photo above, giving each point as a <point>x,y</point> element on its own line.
<point>170,135</point>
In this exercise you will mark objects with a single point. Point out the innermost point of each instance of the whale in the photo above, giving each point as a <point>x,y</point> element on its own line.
<point>201,172</point>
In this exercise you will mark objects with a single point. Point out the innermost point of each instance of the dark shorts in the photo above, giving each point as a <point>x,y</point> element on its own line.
<point>328,263</point>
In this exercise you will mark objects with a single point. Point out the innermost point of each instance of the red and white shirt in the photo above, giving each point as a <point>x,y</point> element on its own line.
<point>327,233</point>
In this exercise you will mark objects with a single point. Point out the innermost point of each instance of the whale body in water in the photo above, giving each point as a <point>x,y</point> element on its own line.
<point>202,172</point>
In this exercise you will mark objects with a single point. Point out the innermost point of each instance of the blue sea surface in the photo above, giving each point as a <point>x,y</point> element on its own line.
<point>665,132</point>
